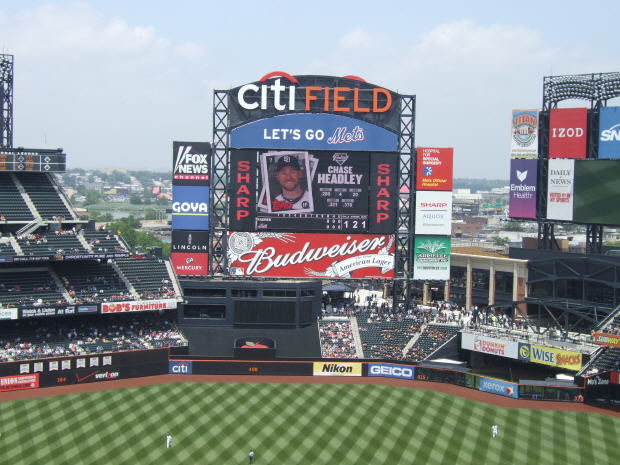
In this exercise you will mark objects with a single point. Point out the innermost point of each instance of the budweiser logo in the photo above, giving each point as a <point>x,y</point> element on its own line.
<point>327,252</point>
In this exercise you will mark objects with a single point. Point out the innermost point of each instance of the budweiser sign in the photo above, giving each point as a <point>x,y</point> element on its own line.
<point>302,255</point>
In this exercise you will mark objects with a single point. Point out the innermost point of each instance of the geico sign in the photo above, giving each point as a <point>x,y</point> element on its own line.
<point>283,97</point>
<point>393,371</point>
<point>190,207</point>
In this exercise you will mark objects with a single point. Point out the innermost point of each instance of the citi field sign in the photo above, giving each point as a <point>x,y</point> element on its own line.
<point>313,112</point>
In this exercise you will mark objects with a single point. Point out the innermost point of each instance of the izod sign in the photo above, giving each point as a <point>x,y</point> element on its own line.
<point>567,132</point>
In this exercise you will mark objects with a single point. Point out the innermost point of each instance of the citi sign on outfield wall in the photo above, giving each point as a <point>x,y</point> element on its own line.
<point>568,132</point>
<point>305,255</point>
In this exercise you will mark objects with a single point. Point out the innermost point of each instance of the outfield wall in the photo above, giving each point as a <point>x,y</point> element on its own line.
<point>79,369</point>
<point>414,373</point>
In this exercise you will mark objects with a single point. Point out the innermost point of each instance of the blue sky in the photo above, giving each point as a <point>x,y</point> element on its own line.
<point>114,82</point>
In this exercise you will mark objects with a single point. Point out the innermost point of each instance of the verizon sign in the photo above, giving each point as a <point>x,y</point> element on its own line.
<point>304,255</point>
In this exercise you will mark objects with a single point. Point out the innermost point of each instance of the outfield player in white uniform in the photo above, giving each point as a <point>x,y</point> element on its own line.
<point>168,441</point>
<point>495,431</point>
<point>251,456</point>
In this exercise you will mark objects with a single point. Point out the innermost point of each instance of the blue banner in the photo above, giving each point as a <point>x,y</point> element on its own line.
<point>495,386</point>
<point>190,207</point>
<point>182,367</point>
<point>609,133</point>
<point>388,370</point>
<point>524,352</point>
<point>318,131</point>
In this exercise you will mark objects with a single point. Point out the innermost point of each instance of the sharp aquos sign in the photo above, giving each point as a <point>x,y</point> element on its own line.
<point>304,255</point>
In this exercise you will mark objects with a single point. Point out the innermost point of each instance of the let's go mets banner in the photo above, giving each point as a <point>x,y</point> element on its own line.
<point>550,356</point>
<point>304,255</point>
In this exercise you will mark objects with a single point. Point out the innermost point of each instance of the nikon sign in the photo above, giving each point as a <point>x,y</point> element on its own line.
<point>336,369</point>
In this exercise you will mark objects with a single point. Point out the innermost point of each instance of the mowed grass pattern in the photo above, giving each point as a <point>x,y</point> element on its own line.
<point>218,423</point>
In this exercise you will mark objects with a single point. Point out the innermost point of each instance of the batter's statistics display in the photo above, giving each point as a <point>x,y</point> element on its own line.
<point>304,255</point>
<point>313,190</point>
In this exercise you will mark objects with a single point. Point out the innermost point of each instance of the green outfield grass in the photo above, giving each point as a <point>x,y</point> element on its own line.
<point>213,423</point>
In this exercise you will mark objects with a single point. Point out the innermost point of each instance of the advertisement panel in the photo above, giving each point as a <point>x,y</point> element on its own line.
<point>190,264</point>
<point>190,163</point>
<point>431,259</point>
<point>523,178</point>
<point>19,382</point>
<point>568,132</point>
<point>27,160</point>
<point>597,191</point>
<point>138,306</point>
<point>336,369</point>
<point>550,356</point>
<point>434,169</point>
<point>278,93</point>
<point>180,367</point>
<point>319,131</point>
<point>490,345</point>
<point>433,213</point>
<point>390,370</point>
<point>609,133</point>
<point>8,314</point>
<point>314,191</point>
<point>304,255</point>
<point>609,340</point>
<point>45,311</point>
<point>190,207</point>
<point>524,134</point>
<point>560,189</point>
<point>190,241</point>
<point>383,200</point>
<point>242,211</point>
<point>495,386</point>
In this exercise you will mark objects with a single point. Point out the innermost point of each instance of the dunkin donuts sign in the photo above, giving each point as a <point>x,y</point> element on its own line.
<point>303,255</point>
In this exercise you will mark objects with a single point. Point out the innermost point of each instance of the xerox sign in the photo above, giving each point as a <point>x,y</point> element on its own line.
<point>388,370</point>
<point>502,388</point>
<point>190,207</point>
<point>191,163</point>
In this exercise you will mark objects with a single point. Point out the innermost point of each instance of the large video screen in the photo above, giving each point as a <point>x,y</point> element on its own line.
<point>597,192</point>
<point>315,190</point>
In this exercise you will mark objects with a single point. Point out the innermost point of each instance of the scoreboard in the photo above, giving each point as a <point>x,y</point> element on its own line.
<point>32,160</point>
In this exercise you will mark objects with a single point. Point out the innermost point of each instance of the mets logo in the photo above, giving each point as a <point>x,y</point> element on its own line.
<point>524,352</point>
<point>524,128</point>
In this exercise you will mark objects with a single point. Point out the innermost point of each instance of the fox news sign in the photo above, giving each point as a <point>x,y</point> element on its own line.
<point>191,161</point>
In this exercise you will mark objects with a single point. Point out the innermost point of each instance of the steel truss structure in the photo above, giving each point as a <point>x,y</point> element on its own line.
<point>220,183</point>
<point>597,89</point>
<point>6,101</point>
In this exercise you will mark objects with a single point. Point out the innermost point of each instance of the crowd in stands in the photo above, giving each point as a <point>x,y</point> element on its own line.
<point>337,339</point>
<point>31,339</point>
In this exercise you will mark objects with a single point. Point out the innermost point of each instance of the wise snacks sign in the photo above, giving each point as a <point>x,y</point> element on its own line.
<point>305,255</point>
<point>550,356</point>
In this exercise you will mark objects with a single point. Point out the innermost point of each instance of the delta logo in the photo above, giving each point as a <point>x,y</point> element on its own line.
<point>279,91</point>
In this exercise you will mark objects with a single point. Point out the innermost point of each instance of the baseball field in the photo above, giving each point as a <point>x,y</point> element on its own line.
<point>218,423</point>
